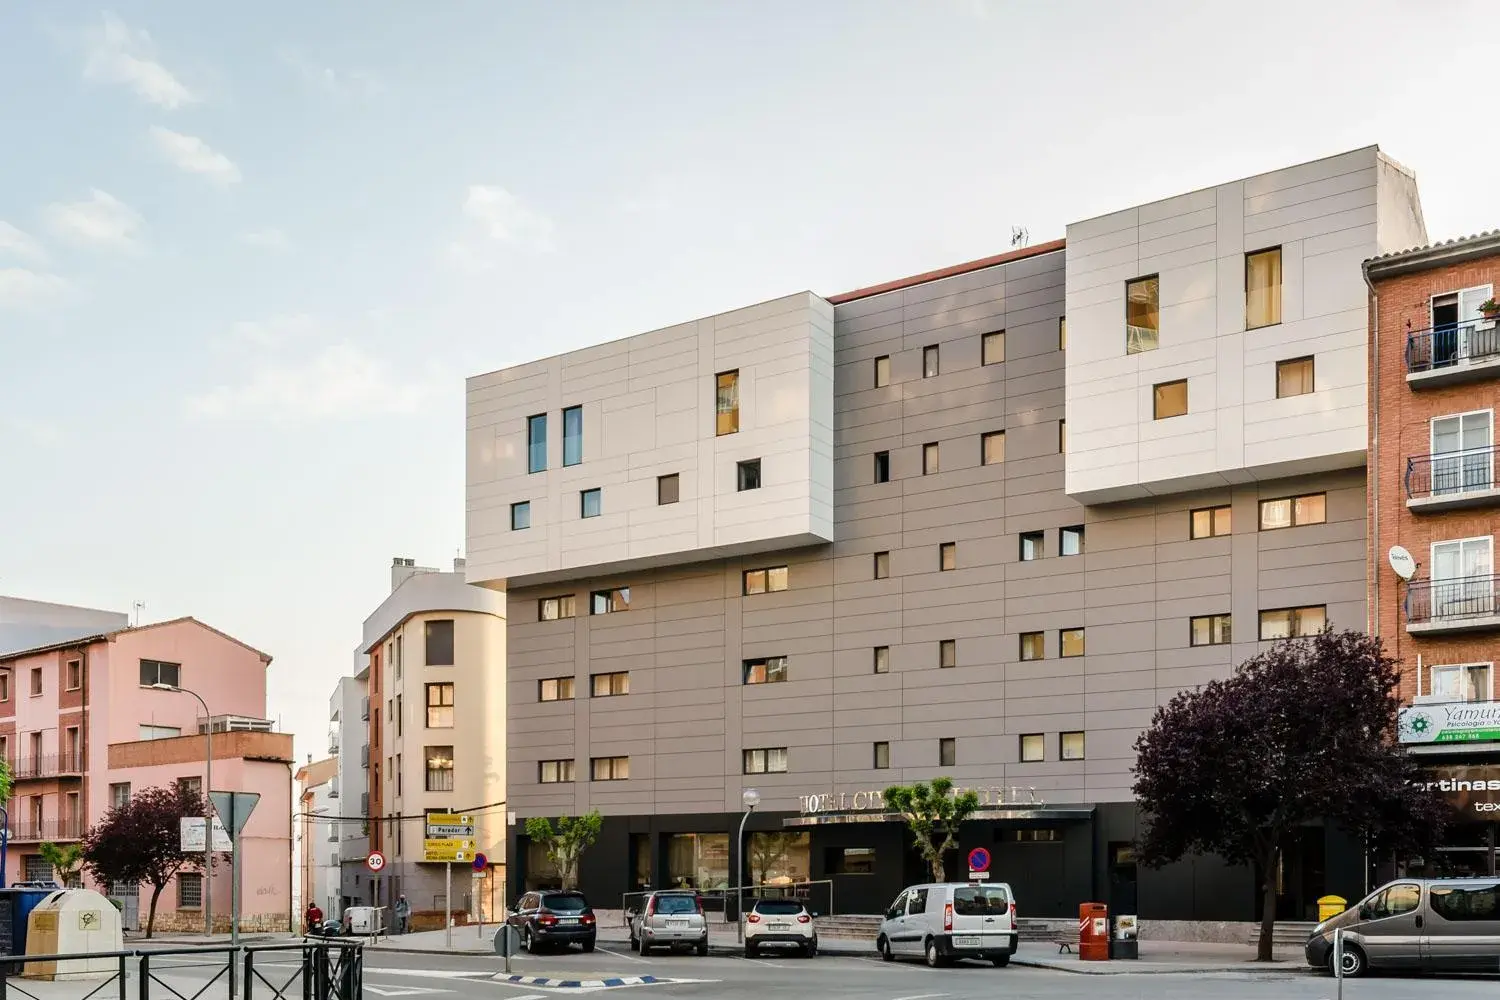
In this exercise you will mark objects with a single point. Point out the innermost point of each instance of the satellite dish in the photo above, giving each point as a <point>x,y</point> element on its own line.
<point>1402,562</point>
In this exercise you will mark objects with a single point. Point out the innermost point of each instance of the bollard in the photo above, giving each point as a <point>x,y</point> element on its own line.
<point>1338,960</point>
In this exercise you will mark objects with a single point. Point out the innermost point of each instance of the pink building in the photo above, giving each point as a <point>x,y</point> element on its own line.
<point>83,727</point>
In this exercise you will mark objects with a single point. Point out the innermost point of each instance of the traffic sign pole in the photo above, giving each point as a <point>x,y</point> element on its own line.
<point>448,906</point>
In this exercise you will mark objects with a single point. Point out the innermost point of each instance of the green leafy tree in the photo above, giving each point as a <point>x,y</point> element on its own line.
<point>66,860</point>
<point>566,843</point>
<point>767,851</point>
<point>933,813</point>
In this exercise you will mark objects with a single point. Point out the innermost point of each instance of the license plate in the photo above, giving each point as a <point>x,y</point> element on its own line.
<point>779,927</point>
<point>966,942</point>
<point>567,920</point>
<point>677,923</point>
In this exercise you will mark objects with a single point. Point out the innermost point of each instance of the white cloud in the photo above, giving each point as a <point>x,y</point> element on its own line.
<point>277,331</point>
<point>339,381</point>
<point>192,154</point>
<point>15,243</point>
<point>341,84</point>
<point>495,216</point>
<point>269,238</point>
<point>21,287</point>
<point>39,432</point>
<point>102,221</point>
<point>117,54</point>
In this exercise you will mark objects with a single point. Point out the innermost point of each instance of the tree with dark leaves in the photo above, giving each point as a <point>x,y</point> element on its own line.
<point>141,841</point>
<point>1301,733</point>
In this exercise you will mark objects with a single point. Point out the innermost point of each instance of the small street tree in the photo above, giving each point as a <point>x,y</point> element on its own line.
<point>1301,733</point>
<point>933,813</point>
<point>565,844</point>
<point>767,850</point>
<point>140,841</point>
<point>66,860</point>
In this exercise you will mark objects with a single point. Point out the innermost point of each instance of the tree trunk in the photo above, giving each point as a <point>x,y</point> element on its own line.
<point>935,862</point>
<point>151,914</point>
<point>1263,949</point>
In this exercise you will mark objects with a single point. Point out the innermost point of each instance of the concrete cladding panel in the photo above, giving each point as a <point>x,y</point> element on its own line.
<point>1225,326</point>
<point>929,647</point>
<point>647,408</point>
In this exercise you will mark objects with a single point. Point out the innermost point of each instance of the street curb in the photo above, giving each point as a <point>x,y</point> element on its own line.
<point>1188,970</point>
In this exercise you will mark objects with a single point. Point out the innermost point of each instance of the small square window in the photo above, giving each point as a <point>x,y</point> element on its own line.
<point>948,653</point>
<point>1033,748</point>
<point>882,466</point>
<point>992,448</point>
<point>520,515</point>
<point>747,475</point>
<point>1033,646</point>
<point>947,752</point>
<point>882,371</point>
<point>668,489</point>
<point>1169,399</point>
<point>929,361</point>
<point>590,503</point>
<point>1070,745</point>
<point>882,659</point>
<point>948,556</point>
<point>1070,641</point>
<point>1294,377</point>
<point>882,565</point>
<point>992,348</point>
<point>1209,630</point>
<point>1206,522</point>
<point>1071,539</point>
<point>1032,545</point>
<point>929,458</point>
<point>882,756</point>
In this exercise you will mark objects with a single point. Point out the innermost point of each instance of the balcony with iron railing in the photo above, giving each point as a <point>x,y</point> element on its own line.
<point>1451,480</point>
<point>37,831</point>
<point>42,767</point>
<point>1453,353</point>
<point>1460,604</point>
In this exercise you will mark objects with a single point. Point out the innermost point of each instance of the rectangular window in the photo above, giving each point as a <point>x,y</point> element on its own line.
<point>1033,748</point>
<point>992,348</point>
<point>440,706</point>
<point>882,466</point>
<point>1070,746</point>
<point>1462,459</point>
<point>1461,682</point>
<point>882,565</point>
<point>1209,630</point>
<point>1062,437</point>
<point>609,768</point>
<point>948,752</point>
<point>726,403</point>
<point>1290,512</point>
<point>882,659</point>
<point>5,686</point>
<point>607,602</point>
<point>75,675</point>
<point>947,556</point>
<point>1070,641</point>
<point>439,763</point>
<point>766,581</point>
<point>930,361</point>
<point>550,609</point>
<point>400,715</point>
<point>771,760</point>
<point>554,772</point>
<point>1206,522</point>
<point>992,448</point>
<point>1169,399</point>
<point>667,489</point>
<point>555,689</point>
<point>1032,545</point>
<point>189,890</point>
<point>590,502</point>
<point>152,672</point>
<point>747,475</point>
<point>536,443</point>
<point>929,458</point>
<point>1033,646</point>
<point>882,371</point>
<point>190,786</point>
<point>610,685</point>
<point>520,515</point>
<point>766,670</point>
<point>159,732</point>
<point>1263,288</point>
<point>1062,333</point>
<point>1142,314</point>
<point>1285,623</point>
<point>850,861</point>
<point>1071,539</point>
<point>573,435</point>
<point>948,653</point>
<point>438,642</point>
<point>119,794</point>
<point>882,756</point>
<point>1294,377</point>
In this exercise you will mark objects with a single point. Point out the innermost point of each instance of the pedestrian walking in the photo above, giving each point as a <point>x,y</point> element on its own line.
<point>403,914</point>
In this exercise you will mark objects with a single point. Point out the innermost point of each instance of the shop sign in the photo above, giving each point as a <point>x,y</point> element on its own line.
<point>1458,722</point>
<point>1470,788</point>
<point>873,800</point>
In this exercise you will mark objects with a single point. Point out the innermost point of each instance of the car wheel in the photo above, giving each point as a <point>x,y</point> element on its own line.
<point>528,942</point>
<point>810,949</point>
<point>934,957</point>
<point>884,947</point>
<point>750,950</point>
<point>703,945</point>
<point>634,944</point>
<point>1001,961</point>
<point>1355,963</point>
<point>588,944</point>
<point>644,949</point>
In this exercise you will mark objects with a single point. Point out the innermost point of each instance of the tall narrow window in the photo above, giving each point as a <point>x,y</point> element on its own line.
<point>439,706</point>
<point>727,403</point>
<point>439,761</point>
<point>1062,437</point>
<point>948,556</point>
<point>520,515</point>
<point>1294,377</point>
<point>1169,399</point>
<point>930,361</point>
<point>1263,288</point>
<point>992,448</point>
<point>536,443</point>
<point>947,752</point>
<point>882,756</point>
<point>591,502</point>
<point>882,565</point>
<point>882,371</point>
<point>882,466</point>
<point>438,642</point>
<point>948,653</point>
<point>572,435</point>
<point>1462,458</point>
<point>929,458</point>
<point>992,348</point>
<point>1142,314</point>
<point>882,659</point>
<point>1062,333</point>
<point>747,475</point>
<point>667,488</point>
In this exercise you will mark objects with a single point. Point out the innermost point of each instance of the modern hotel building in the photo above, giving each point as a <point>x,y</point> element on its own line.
<point>980,523</point>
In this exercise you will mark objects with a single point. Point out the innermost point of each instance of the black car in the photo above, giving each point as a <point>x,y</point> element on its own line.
<point>554,918</point>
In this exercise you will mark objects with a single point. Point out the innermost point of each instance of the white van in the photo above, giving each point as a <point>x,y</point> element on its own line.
<point>944,921</point>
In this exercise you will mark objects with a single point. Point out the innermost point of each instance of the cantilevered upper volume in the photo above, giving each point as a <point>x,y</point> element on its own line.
<point>709,439</point>
<point>1218,337</point>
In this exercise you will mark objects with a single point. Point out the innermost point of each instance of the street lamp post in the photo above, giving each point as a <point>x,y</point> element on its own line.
<point>751,799</point>
<point>208,807</point>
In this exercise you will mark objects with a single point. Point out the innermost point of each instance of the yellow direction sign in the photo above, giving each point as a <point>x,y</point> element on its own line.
<point>450,826</point>
<point>448,849</point>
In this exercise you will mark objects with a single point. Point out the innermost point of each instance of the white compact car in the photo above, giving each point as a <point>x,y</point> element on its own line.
<point>944,921</point>
<point>779,922</point>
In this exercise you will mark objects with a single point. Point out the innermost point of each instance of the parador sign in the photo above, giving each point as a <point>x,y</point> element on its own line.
<point>873,799</point>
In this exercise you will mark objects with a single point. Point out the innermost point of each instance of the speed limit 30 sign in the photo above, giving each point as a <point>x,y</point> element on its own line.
<point>375,862</point>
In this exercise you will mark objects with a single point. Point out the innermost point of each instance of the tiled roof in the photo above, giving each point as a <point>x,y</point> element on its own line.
<point>1456,243</point>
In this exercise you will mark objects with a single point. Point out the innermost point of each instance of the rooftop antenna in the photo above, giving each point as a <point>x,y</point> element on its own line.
<point>1019,236</point>
<point>135,609</point>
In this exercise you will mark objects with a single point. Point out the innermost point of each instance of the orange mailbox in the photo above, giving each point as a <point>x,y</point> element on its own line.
<point>1093,932</point>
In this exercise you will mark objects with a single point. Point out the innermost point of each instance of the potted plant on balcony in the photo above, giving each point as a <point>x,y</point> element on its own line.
<point>1489,308</point>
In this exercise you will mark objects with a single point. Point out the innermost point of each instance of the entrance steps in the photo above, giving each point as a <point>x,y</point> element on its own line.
<point>1287,933</point>
<point>849,926</point>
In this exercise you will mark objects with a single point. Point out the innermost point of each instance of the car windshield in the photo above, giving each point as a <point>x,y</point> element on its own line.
<point>565,904</point>
<point>779,907</point>
<point>980,901</point>
<point>676,904</point>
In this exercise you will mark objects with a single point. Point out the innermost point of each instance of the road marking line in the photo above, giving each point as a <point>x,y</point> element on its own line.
<point>923,996</point>
<point>628,958</point>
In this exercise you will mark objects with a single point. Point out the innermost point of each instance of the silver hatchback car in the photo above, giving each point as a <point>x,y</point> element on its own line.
<point>668,919</point>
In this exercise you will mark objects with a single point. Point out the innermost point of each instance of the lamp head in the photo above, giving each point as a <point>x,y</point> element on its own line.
<point>751,798</point>
<point>158,686</point>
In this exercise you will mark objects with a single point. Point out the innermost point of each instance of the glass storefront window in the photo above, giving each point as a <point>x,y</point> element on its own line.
<point>779,858</point>
<point>541,873</point>
<point>640,853</point>
<point>698,861</point>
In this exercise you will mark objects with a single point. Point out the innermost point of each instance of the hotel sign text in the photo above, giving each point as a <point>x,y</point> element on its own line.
<point>874,799</point>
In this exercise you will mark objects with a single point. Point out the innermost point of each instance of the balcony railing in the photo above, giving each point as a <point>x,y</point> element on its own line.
<point>1452,346</point>
<point>50,765</point>
<point>33,831</point>
<point>1463,602</point>
<point>1450,474</point>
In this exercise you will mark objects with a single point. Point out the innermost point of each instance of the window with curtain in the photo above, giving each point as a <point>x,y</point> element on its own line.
<point>1142,314</point>
<point>1263,288</point>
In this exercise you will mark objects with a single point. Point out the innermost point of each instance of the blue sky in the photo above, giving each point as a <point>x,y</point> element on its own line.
<point>248,253</point>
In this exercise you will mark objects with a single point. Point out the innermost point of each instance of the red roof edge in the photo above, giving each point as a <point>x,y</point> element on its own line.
<point>947,272</point>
